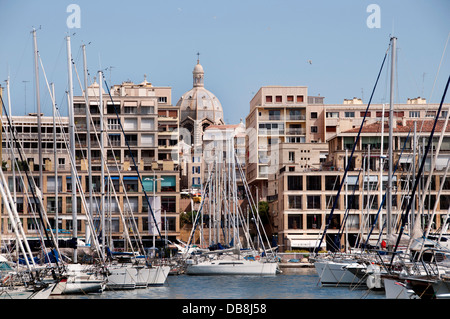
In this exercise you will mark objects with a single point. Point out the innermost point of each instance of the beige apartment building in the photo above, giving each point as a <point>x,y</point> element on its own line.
<point>278,115</point>
<point>305,197</point>
<point>150,124</point>
<point>296,148</point>
<point>141,127</point>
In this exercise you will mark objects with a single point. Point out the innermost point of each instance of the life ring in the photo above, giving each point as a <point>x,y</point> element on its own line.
<point>257,257</point>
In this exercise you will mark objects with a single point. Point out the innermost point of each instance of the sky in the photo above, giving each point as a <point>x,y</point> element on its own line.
<point>335,48</point>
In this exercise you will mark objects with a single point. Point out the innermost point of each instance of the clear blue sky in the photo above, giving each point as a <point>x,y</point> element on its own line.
<point>243,44</point>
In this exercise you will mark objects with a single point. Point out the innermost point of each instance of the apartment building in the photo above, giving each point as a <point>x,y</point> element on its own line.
<point>305,198</point>
<point>27,160</point>
<point>279,114</point>
<point>141,128</point>
<point>342,117</point>
<point>133,111</point>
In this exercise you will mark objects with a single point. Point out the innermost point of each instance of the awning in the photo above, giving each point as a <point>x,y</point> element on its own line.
<point>305,243</point>
<point>130,178</point>
<point>130,103</point>
<point>148,103</point>
<point>406,159</point>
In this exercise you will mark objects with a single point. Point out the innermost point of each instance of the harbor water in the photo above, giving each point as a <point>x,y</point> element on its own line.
<point>302,283</point>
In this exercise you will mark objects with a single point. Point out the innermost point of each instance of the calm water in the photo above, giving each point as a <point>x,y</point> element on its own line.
<point>298,284</point>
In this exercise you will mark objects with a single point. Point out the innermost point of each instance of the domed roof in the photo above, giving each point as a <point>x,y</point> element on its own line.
<point>198,68</point>
<point>199,103</point>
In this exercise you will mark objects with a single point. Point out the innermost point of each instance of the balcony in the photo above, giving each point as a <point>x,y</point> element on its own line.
<point>295,131</point>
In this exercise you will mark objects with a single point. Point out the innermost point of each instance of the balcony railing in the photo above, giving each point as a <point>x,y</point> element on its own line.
<point>295,131</point>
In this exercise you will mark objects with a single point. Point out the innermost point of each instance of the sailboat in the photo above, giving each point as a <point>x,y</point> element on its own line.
<point>335,269</point>
<point>219,194</point>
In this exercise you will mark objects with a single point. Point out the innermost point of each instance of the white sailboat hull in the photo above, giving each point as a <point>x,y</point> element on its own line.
<point>158,275</point>
<point>136,276</point>
<point>395,289</point>
<point>151,276</point>
<point>22,292</point>
<point>334,273</point>
<point>121,277</point>
<point>232,267</point>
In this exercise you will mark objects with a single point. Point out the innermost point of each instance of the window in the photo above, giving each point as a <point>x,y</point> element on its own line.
<point>130,183</point>
<point>131,205</point>
<point>147,109</point>
<point>430,114</point>
<point>131,139</point>
<point>371,200</point>
<point>147,140</point>
<point>130,110</point>
<point>168,184</point>
<point>295,183</point>
<point>370,182</point>
<point>335,222</point>
<point>313,183</point>
<point>295,221</point>
<point>313,201</point>
<point>332,182</point>
<point>352,221</point>
<point>353,182</point>
<point>147,182</point>
<point>278,99</point>
<point>274,115</point>
<point>268,99</point>
<point>148,124</point>
<point>313,115</point>
<point>414,114</point>
<point>299,98</point>
<point>295,201</point>
<point>130,124</point>
<point>51,184</point>
<point>114,139</point>
<point>348,142</point>
<point>168,204</point>
<point>349,114</point>
<point>290,98</point>
<point>329,202</point>
<point>444,202</point>
<point>168,224</point>
<point>353,202</point>
<point>162,99</point>
<point>313,221</point>
<point>113,124</point>
<point>291,157</point>
<point>332,114</point>
<point>313,129</point>
<point>362,114</point>
<point>296,115</point>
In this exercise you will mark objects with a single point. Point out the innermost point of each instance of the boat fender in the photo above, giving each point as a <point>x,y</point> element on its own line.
<point>370,282</point>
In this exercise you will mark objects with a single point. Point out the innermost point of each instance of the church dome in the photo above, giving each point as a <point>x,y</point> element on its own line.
<point>199,103</point>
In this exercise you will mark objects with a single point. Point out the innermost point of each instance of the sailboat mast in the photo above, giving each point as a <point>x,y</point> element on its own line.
<point>72,151</point>
<point>102,160</point>
<point>38,104</point>
<point>391,128</point>
<point>55,165</point>
<point>13,161</point>
<point>88,138</point>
